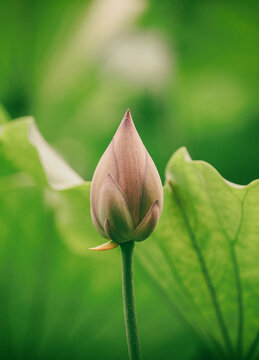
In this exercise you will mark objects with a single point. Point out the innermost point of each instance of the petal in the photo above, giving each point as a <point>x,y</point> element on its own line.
<point>148,224</point>
<point>130,154</point>
<point>113,233</point>
<point>113,205</point>
<point>107,164</point>
<point>107,246</point>
<point>152,188</point>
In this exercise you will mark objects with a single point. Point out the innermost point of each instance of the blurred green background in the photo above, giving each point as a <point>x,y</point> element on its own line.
<point>188,71</point>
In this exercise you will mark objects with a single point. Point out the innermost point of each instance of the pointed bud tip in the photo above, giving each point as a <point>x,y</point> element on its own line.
<point>127,119</point>
<point>109,177</point>
<point>128,114</point>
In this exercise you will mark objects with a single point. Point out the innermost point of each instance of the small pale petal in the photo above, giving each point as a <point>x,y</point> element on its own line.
<point>152,188</point>
<point>148,224</point>
<point>107,246</point>
<point>113,205</point>
<point>107,164</point>
<point>113,233</point>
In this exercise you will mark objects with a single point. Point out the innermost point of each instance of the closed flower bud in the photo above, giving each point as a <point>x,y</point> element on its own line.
<point>126,191</point>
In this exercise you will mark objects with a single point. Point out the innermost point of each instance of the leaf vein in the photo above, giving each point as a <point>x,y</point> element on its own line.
<point>205,273</point>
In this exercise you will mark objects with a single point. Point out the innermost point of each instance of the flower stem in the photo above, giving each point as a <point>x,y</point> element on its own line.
<point>129,300</point>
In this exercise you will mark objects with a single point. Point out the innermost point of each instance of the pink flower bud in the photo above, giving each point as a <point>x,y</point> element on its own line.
<point>126,191</point>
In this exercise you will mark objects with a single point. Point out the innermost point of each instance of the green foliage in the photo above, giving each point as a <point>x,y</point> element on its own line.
<point>3,115</point>
<point>77,66</point>
<point>55,71</point>
<point>58,299</point>
<point>204,254</point>
<point>64,299</point>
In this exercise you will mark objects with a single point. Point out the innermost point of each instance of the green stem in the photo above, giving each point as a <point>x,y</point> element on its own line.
<point>129,301</point>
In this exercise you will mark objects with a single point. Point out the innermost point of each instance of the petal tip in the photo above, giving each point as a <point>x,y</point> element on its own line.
<point>128,114</point>
<point>127,119</point>
<point>109,177</point>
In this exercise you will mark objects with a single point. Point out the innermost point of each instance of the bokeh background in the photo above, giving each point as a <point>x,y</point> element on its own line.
<point>188,71</point>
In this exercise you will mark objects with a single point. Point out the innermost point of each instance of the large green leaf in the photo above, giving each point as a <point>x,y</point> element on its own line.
<point>204,254</point>
<point>53,302</point>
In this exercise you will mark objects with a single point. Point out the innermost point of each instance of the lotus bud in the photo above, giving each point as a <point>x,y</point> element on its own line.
<point>126,192</point>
